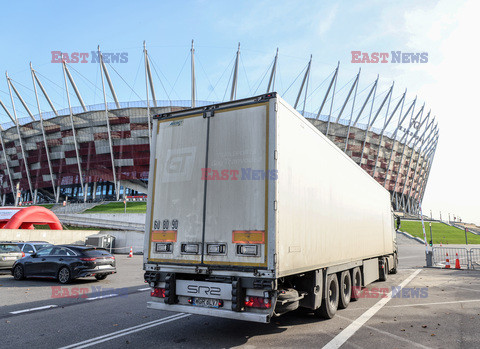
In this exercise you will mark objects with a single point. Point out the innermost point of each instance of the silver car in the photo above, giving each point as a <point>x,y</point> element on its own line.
<point>9,253</point>
<point>31,247</point>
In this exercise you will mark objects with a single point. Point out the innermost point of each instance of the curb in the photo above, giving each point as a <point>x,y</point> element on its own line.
<point>411,237</point>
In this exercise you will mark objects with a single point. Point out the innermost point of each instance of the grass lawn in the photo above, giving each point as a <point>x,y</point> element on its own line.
<point>49,206</point>
<point>119,207</point>
<point>442,233</point>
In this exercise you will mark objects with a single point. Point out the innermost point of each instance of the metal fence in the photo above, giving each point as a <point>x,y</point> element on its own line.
<point>469,259</point>
<point>475,258</point>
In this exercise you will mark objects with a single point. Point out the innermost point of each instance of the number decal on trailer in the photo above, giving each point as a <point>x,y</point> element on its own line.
<point>166,224</point>
<point>174,224</point>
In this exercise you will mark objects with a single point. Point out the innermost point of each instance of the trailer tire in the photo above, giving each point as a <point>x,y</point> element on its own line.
<point>383,269</point>
<point>345,284</point>
<point>329,305</point>
<point>356,284</point>
<point>289,295</point>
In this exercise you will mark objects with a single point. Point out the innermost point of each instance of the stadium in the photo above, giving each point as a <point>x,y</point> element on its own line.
<point>101,151</point>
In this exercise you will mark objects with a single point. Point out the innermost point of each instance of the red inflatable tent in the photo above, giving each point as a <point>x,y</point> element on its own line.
<point>25,218</point>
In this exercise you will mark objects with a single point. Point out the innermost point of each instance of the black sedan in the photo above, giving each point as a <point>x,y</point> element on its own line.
<point>65,263</point>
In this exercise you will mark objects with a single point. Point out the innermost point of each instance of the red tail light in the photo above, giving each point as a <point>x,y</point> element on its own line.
<point>23,254</point>
<point>258,302</point>
<point>158,292</point>
<point>88,259</point>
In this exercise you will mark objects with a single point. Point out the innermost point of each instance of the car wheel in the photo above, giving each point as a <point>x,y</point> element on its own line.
<point>356,283</point>
<point>18,273</point>
<point>64,275</point>
<point>101,277</point>
<point>329,305</point>
<point>345,289</point>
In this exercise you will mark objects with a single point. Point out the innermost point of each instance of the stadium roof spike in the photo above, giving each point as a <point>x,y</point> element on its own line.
<point>333,98</point>
<point>233,93</point>
<point>72,82</point>
<point>148,75</point>
<point>273,74</point>
<point>192,61</point>
<point>43,90</point>
<point>348,96</point>
<point>19,96</point>
<point>305,77</point>
<point>107,76</point>
<point>334,78</point>
<point>47,152</point>
<point>374,86</point>
<point>17,124</point>
<point>381,106</point>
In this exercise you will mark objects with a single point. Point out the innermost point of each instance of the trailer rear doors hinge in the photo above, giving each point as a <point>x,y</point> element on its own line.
<point>275,205</point>
<point>209,113</point>
<point>275,154</point>
<point>276,106</point>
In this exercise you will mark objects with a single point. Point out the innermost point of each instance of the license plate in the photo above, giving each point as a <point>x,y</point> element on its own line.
<point>9,258</point>
<point>104,266</point>
<point>206,302</point>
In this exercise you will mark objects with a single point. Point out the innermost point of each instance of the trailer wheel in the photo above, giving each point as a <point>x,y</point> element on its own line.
<point>356,284</point>
<point>330,303</point>
<point>345,282</point>
<point>383,269</point>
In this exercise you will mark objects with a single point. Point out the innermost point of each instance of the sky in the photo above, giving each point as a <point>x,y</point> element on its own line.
<point>327,30</point>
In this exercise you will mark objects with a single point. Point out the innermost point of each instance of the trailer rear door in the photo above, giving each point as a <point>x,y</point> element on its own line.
<point>178,190</point>
<point>236,206</point>
<point>210,188</point>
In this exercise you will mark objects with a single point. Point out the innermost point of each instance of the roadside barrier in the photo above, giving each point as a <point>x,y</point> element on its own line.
<point>441,257</point>
<point>464,258</point>
<point>475,258</point>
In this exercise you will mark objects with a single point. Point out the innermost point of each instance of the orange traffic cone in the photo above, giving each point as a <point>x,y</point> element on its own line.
<point>447,262</point>
<point>130,255</point>
<point>457,262</point>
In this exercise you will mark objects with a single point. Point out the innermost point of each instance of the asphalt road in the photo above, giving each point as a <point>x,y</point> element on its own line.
<point>444,313</point>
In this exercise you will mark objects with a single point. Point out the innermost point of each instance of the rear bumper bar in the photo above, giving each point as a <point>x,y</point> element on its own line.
<point>254,317</point>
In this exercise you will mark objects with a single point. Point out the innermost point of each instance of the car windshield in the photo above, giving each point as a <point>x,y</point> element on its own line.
<point>96,253</point>
<point>5,248</point>
<point>40,246</point>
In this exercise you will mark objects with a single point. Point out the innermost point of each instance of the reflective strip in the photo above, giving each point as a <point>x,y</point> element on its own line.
<point>248,236</point>
<point>164,236</point>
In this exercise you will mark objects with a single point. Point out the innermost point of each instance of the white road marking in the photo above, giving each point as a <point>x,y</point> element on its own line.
<point>144,289</point>
<point>436,303</point>
<point>34,309</point>
<point>343,336</point>
<point>97,340</point>
<point>100,297</point>
<point>388,334</point>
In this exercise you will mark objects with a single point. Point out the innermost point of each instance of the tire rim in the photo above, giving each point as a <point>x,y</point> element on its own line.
<point>346,286</point>
<point>18,272</point>
<point>332,294</point>
<point>63,275</point>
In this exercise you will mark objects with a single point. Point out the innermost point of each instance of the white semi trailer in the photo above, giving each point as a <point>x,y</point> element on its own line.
<point>253,212</point>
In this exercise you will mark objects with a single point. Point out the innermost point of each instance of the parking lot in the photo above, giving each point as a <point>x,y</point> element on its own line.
<point>436,308</point>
